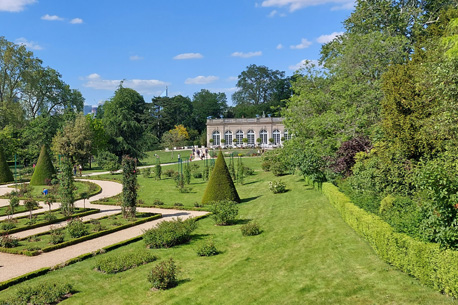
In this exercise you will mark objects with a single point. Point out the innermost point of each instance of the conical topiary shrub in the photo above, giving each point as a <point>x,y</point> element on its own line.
<point>5,173</point>
<point>44,170</point>
<point>220,186</point>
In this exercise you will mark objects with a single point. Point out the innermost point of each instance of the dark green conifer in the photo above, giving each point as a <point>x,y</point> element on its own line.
<point>44,170</point>
<point>5,173</point>
<point>220,186</point>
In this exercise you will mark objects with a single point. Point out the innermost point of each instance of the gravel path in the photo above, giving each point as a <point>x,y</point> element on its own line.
<point>12,265</point>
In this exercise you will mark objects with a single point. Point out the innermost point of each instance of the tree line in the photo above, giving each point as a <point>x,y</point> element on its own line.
<point>378,115</point>
<point>37,107</point>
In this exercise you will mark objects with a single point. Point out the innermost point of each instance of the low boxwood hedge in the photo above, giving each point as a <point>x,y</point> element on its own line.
<point>427,262</point>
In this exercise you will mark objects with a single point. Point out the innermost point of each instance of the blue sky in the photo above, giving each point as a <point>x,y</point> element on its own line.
<point>185,45</point>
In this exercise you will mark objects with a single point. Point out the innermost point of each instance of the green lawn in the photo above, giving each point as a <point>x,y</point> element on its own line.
<point>306,255</point>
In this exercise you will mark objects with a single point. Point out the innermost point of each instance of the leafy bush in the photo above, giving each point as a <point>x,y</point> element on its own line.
<point>158,172</point>
<point>57,235</point>
<point>169,173</point>
<point>164,275</point>
<point>207,248</point>
<point>146,172</point>
<point>345,155</point>
<point>177,204</point>
<point>76,228</point>
<point>273,161</point>
<point>8,225</point>
<point>403,214</point>
<point>50,217</point>
<point>250,229</point>
<point>108,161</point>
<point>197,175</point>
<point>7,241</point>
<point>40,293</point>
<point>277,187</point>
<point>123,261</point>
<point>169,233</point>
<point>158,202</point>
<point>224,212</point>
<point>248,171</point>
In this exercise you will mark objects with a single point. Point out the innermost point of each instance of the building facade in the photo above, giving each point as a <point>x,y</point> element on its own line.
<point>250,132</point>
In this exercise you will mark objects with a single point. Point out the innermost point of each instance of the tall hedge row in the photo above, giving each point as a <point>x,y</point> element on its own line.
<point>220,186</point>
<point>5,173</point>
<point>427,262</point>
<point>43,169</point>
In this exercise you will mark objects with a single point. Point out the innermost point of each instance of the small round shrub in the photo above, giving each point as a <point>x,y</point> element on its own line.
<point>164,275</point>
<point>207,248</point>
<point>57,235</point>
<point>7,241</point>
<point>158,202</point>
<point>277,187</point>
<point>224,212</point>
<point>169,233</point>
<point>250,229</point>
<point>197,175</point>
<point>178,204</point>
<point>76,228</point>
<point>8,225</point>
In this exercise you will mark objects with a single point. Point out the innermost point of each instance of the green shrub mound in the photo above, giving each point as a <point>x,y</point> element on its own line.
<point>5,173</point>
<point>169,233</point>
<point>164,275</point>
<point>427,262</point>
<point>224,212</point>
<point>44,170</point>
<point>220,186</point>
<point>123,262</point>
<point>250,229</point>
<point>207,248</point>
<point>40,293</point>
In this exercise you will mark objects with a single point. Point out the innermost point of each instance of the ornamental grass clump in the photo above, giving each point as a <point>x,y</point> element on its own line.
<point>169,233</point>
<point>224,212</point>
<point>123,262</point>
<point>164,275</point>
<point>250,229</point>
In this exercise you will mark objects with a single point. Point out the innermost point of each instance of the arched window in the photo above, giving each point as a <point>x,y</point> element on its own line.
<point>287,135</point>
<point>276,135</point>
<point>263,136</point>
<point>239,137</point>
<point>250,136</point>
<point>228,137</point>
<point>216,137</point>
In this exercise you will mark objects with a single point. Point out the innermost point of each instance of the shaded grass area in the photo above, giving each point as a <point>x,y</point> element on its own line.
<point>306,254</point>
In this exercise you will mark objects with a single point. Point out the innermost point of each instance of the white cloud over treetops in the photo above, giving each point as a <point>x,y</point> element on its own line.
<point>303,45</point>
<point>143,86</point>
<point>294,5</point>
<point>246,55</point>
<point>51,18</point>
<point>76,21</point>
<point>14,5</point>
<point>188,56</point>
<point>328,38</point>
<point>32,45</point>
<point>201,80</point>
<point>303,63</point>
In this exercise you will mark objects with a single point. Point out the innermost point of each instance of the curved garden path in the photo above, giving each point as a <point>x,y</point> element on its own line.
<point>12,265</point>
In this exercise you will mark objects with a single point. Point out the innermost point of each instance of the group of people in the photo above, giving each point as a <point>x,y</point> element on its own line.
<point>198,153</point>
<point>80,168</point>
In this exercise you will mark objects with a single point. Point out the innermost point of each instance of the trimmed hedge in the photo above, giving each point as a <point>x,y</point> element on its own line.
<point>23,278</point>
<point>76,240</point>
<point>5,173</point>
<point>427,262</point>
<point>41,224</point>
<point>220,186</point>
<point>44,170</point>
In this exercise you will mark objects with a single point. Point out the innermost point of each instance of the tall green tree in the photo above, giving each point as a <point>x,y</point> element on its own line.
<point>166,112</point>
<point>205,104</point>
<point>129,186</point>
<point>123,122</point>
<point>67,198</point>
<point>75,140</point>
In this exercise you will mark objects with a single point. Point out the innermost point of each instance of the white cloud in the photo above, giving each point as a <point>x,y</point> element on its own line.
<point>51,18</point>
<point>14,5</point>
<point>304,44</point>
<point>76,21</point>
<point>232,78</point>
<point>294,5</point>
<point>272,13</point>
<point>279,46</point>
<point>188,56</point>
<point>201,80</point>
<point>135,57</point>
<point>246,55</point>
<point>328,38</point>
<point>32,45</point>
<point>143,86</point>
<point>303,63</point>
